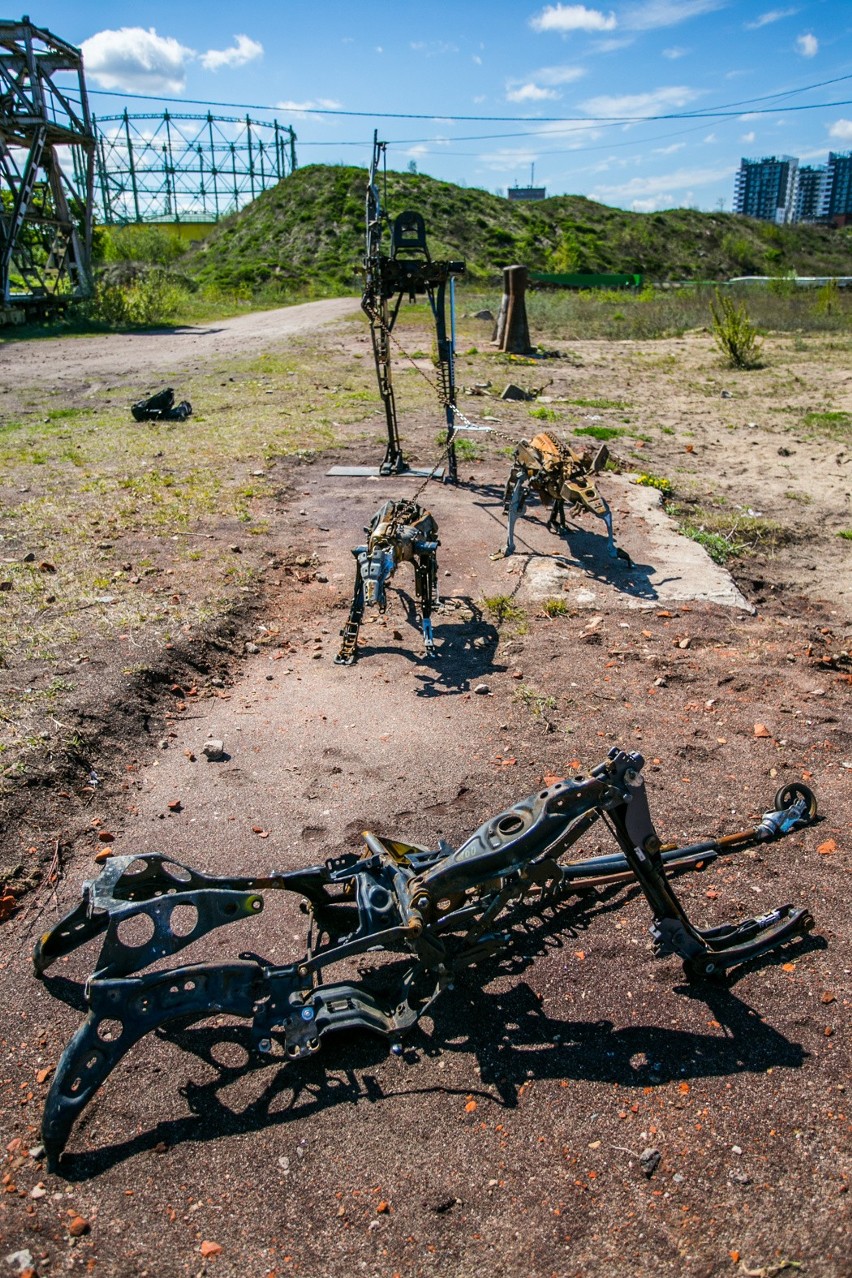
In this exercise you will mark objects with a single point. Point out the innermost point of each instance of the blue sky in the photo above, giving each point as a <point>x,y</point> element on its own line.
<point>580,80</point>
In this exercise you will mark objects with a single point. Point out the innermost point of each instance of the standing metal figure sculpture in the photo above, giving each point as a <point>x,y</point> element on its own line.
<point>558,476</point>
<point>408,271</point>
<point>399,532</point>
<point>430,913</point>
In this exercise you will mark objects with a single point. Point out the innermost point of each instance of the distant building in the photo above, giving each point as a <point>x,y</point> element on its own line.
<point>528,193</point>
<point>811,197</point>
<point>840,185</point>
<point>765,188</point>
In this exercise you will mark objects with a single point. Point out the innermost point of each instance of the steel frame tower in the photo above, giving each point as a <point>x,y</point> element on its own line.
<point>47,164</point>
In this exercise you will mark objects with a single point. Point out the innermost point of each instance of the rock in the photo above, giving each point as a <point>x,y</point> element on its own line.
<point>236,550</point>
<point>37,1152</point>
<point>213,750</point>
<point>252,648</point>
<point>208,1249</point>
<point>79,1226</point>
<point>483,315</point>
<point>726,395</point>
<point>20,1260</point>
<point>482,690</point>
<point>321,577</point>
<point>649,1161</point>
<point>515,392</point>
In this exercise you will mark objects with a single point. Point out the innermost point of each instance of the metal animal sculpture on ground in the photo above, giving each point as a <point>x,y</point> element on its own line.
<point>558,476</point>
<point>399,532</point>
<point>430,912</point>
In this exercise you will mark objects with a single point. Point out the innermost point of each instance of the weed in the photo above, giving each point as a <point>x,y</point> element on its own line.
<point>600,432</point>
<point>846,534</point>
<point>793,494</point>
<point>599,403</point>
<point>544,414</point>
<point>537,702</point>
<point>503,608</point>
<point>466,449</point>
<point>733,332</point>
<point>662,484</point>
<point>829,422</point>
<point>554,607</point>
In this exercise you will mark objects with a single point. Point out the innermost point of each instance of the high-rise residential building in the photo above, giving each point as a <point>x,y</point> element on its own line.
<point>811,197</point>
<point>839,184</point>
<point>765,188</point>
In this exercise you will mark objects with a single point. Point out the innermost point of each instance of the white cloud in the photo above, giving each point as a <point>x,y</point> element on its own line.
<point>653,14</point>
<point>508,159</point>
<point>682,180</point>
<point>476,60</point>
<point>711,137</point>
<point>541,85</point>
<point>807,45</point>
<point>530,93</point>
<point>748,137</point>
<point>669,150</point>
<point>675,53</point>
<point>638,105</point>
<point>139,60</point>
<point>300,110</point>
<point>572,17</point>
<point>434,48</point>
<point>772,15</point>
<point>559,75</point>
<point>136,60</point>
<point>243,50</point>
<point>842,130</point>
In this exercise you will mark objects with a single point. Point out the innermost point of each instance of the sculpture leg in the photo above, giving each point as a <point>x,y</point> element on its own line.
<point>614,551</point>
<point>425,583</point>
<point>349,633</point>
<point>516,504</point>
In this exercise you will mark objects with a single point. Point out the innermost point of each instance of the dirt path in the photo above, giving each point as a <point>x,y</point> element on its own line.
<point>59,362</point>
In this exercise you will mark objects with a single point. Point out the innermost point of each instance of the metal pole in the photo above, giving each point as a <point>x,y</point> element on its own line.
<point>250,156</point>
<point>132,166</point>
<point>213,168</point>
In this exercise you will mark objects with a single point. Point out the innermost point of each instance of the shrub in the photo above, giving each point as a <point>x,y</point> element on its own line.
<point>734,333</point>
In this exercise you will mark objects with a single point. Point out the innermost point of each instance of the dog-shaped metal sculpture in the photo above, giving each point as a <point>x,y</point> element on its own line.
<point>557,475</point>
<point>399,532</point>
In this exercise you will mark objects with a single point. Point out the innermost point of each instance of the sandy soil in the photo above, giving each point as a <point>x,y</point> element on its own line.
<point>507,1138</point>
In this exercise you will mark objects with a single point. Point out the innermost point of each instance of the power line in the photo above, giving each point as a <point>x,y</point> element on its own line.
<point>709,113</point>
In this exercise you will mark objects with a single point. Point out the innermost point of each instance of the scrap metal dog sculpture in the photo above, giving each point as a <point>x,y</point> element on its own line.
<point>399,532</point>
<point>431,912</point>
<point>557,475</point>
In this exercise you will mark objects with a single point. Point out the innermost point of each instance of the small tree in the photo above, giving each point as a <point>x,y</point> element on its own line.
<point>734,333</point>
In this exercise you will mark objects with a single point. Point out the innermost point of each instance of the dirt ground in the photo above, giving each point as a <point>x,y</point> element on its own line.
<point>507,1137</point>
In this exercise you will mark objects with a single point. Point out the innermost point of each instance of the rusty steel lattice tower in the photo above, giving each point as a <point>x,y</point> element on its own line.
<point>186,168</point>
<point>47,157</point>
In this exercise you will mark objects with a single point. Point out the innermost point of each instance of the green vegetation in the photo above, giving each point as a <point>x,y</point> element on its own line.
<point>726,534</point>
<point>599,403</point>
<point>655,481</point>
<point>503,608</point>
<point>544,414</point>
<point>734,332</point>
<point>555,607</point>
<point>846,534</point>
<point>307,234</point>
<point>834,424</point>
<point>600,432</point>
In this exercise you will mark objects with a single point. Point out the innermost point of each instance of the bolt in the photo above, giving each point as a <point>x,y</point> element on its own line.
<point>307,1013</point>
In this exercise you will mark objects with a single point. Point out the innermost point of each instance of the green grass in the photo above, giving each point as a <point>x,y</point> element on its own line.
<point>600,432</point>
<point>846,534</point>
<point>544,414</point>
<point>599,403</point>
<point>830,423</point>
<point>555,607</point>
<point>728,534</point>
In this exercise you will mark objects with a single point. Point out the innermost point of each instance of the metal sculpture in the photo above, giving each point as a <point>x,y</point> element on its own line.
<point>558,476</point>
<point>161,408</point>
<point>432,912</point>
<point>408,271</point>
<point>47,159</point>
<point>399,532</point>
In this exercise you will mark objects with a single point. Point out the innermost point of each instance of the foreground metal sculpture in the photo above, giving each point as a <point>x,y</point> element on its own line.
<point>399,532</point>
<point>558,476</point>
<point>433,911</point>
